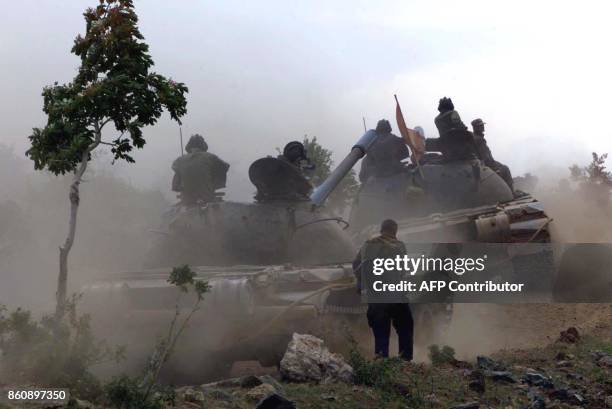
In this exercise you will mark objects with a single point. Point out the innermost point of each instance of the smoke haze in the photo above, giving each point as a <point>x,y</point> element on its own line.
<point>263,73</point>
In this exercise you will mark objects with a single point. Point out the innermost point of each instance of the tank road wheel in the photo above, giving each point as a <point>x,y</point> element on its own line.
<point>584,274</point>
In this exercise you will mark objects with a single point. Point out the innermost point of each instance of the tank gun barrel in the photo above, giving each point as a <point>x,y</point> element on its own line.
<point>358,151</point>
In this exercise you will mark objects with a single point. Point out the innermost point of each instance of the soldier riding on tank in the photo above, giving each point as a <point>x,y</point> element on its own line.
<point>484,153</point>
<point>198,174</point>
<point>455,141</point>
<point>284,177</point>
<point>386,155</point>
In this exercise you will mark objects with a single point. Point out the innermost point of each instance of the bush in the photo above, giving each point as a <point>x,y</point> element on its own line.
<point>128,393</point>
<point>380,373</point>
<point>52,353</point>
<point>443,356</point>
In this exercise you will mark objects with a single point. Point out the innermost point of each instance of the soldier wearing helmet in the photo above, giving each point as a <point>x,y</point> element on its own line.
<point>294,153</point>
<point>198,173</point>
<point>386,154</point>
<point>455,141</point>
<point>484,153</point>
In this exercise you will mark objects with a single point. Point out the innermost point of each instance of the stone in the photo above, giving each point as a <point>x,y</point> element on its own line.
<point>538,403</point>
<point>83,404</point>
<point>569,336</point>
<point>568,396</point>
<point>270,380</point>
<point>250,381</point>
<point>487,364</point>
<point>260,392</point>
<point>275,401</point>
<point>218,394</point>
<point>307,359</point>
<point>537,379</point>
<point>193,396</point>
<point>501,376</point>
<point>564,364</point>
<point>477,381</point>
<point>602,359</point>
<point>469,405</point>
<point>328,397</point>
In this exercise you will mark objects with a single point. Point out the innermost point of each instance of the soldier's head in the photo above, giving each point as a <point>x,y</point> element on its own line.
<point>383,126</point>
<point>196,142</point>
<point>445,105</point>
<point>420,131</point>
<point>478,125</point>
<point>389,228</point>
<point>294,151</point>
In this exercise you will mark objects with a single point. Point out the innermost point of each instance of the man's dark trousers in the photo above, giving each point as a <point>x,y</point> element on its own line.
<point>380,318</point>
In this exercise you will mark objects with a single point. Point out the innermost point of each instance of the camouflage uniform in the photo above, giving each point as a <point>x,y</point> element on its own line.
<point>382,315</point>
<point>386,154</point>
<point>485,155</point>
<point>198,173</point>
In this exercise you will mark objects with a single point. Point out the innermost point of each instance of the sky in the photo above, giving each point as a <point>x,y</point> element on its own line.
<point>263,73</point>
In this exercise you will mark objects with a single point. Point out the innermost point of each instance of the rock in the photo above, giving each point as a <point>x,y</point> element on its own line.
<point>501,376</point>
<point>218,394</point>
<point>260,392</point>
<point>193,396</point>
<point>568,396</point>
<point>537,379</point>
<point>308,359</point>
<point>270,380</point>
<point>564,364</point>
<point>328,397</point>
<point>470,405</point>
<point>250,381</point>
<point>602,359</point>
<point>574,376</point>
<point>537,403</point>
<point>477,381</point>
<point>82,404</point>
<point>275,401</point>
<point>569,336</point>
<point>487,364</point>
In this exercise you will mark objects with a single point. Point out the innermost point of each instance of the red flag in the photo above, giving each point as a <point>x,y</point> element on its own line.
<point>411,137</point>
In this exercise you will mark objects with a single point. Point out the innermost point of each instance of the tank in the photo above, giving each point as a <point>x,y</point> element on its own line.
<point>278,265</point>
<point>465,203</point>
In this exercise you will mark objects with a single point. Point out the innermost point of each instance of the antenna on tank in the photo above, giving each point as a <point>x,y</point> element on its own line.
<point>364,125</point>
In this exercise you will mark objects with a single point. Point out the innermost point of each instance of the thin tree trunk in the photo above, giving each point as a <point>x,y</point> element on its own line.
<point>64,251</point>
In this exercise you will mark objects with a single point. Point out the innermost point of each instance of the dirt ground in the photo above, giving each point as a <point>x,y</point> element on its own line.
<point>478,329</point>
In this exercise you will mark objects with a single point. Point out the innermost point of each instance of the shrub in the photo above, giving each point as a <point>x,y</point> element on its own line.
<point>445,355</point>
<point>51,352</point>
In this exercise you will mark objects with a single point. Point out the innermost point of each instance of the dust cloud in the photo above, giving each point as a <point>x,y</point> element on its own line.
<point>112,230</point>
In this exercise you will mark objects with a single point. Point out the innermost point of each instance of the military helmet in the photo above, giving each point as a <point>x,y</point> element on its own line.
<point>294,151</point>
<point>383,126</point>
<point>419,130</point>
<point>196,142</point>
<point>445,105</point>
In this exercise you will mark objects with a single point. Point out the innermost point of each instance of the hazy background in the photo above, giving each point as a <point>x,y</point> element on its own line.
<point>263,73</point>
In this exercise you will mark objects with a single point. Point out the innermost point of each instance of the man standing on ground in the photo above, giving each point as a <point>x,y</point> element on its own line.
<point>382,314</point>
